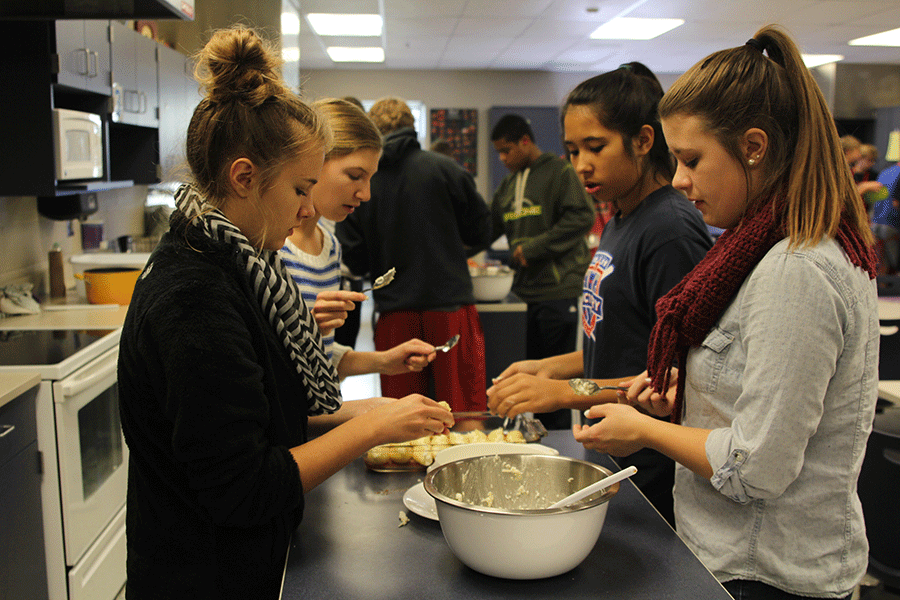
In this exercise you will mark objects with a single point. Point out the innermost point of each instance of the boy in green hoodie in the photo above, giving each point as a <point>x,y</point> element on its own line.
<point>546,214</point>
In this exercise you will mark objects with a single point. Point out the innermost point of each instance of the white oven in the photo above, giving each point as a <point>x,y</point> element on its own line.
<point>84,457</point>
<point>93,461</point>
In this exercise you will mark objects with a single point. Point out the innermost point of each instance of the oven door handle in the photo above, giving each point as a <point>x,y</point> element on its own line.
<point>80,382</point>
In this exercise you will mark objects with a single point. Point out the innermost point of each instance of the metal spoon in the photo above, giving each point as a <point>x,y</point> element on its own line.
<point>595,487</point>
<point>382,281</point>
<point>587,387</point>
<point>449,344</point>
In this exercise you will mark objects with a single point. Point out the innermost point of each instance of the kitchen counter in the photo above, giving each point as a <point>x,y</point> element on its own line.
<point>349,545</point>
<point>889,308</point>
<point>91,316</point>
<point>889,390</point>
<point>13,385</point>
<point>511,303</point>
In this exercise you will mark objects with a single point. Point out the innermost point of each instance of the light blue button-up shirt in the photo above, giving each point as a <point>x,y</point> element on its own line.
<point>787,381</point>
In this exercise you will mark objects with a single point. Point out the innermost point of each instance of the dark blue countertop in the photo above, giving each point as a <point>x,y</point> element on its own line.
<point>349,546</point>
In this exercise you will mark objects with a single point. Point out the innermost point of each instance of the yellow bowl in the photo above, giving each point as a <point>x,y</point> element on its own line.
<point>109,285</point>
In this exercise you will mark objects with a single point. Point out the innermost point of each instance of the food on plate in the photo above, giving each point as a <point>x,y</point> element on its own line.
<point>496,435</point>
<point>515,436</point>
<point>419,453</point>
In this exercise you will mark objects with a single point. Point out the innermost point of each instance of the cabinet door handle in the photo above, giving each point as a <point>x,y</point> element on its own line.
<point>84,69</point>
<point>96,56</point>
<point>5,430</point>
<point>132,101</point>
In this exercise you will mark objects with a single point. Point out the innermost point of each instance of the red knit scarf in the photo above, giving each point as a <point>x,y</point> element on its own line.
<point>689,311</point>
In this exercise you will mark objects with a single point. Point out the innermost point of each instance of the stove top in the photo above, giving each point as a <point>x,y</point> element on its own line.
<point>53,352</point>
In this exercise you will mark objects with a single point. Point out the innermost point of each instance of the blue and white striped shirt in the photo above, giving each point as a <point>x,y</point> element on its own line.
<point>314,274</point>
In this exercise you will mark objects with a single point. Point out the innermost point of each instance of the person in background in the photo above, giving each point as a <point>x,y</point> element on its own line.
<point>442,146</point>
<point>221,365</point>
<point>546,215</point>
<point>425,218</point>
<point>863,169</point>
<point>855,157</point>
<point>312,255</point>
<point>355,101</point>
<point>775,334</point>
<point>655,237</point>
<point>874,195</point>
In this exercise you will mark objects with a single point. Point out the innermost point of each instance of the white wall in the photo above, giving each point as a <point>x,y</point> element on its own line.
<point>453,89</point>
<point>26,236</point>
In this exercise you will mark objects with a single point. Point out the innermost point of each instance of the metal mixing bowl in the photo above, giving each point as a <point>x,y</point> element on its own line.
<point>492,510</point>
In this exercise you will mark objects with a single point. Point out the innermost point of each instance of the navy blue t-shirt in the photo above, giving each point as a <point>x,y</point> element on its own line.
<point>640,258</point>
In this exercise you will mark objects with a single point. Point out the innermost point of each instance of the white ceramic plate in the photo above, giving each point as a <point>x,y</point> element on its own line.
<point>420,502</point>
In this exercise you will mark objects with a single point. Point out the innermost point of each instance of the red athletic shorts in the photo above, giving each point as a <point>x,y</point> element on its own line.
<point>459,376</point>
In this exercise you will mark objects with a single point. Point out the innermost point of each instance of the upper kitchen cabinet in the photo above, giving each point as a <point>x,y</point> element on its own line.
<point>81,59</point>
<point>135,91</point>
<point>97,9</point>
<point>36,61</point>
<point>178,96</point>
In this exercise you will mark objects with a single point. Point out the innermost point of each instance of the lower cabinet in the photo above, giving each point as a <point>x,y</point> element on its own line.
<point>23,568</point>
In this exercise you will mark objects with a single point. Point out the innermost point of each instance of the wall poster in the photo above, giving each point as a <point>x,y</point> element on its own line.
<point>459,128</point>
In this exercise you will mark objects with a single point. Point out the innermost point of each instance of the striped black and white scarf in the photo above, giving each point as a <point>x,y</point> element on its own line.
<point>279,299</point>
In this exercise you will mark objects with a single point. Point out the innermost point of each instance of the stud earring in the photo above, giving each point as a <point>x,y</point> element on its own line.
<point>751,162</point>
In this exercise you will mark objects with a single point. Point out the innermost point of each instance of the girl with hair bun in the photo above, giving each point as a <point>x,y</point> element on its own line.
<point>613,138</point>
<point>775,334</point>
<point>221,364</point>
<point>312,253</point>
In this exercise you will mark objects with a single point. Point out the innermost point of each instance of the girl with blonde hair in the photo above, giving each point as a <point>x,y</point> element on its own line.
<point>312,253</point>
<point>221,365</point>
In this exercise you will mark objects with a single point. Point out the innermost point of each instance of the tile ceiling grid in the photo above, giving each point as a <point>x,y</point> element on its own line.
<point>553,35</point>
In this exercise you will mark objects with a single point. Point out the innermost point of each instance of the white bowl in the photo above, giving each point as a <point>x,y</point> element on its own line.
<point>487,448</point>
<point>515,537</point>
<point>492,288</point>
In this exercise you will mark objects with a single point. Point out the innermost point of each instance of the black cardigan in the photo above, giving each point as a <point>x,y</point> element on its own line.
<point>210,404</point>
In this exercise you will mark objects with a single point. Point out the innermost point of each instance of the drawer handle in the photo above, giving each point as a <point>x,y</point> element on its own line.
<point>5,430</point>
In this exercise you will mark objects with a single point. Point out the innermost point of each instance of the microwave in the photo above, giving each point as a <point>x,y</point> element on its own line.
<point>78,144</point>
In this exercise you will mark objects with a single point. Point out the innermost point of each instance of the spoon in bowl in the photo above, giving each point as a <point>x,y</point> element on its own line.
<point>595,487</point>
<point>382,281</point>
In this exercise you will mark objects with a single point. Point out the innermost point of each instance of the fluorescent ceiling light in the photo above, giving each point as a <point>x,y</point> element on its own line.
<point>290,23</point>
<point>885,38</point>
<point>290,54</point>
<point>817,60</point>
<point>630,28</point>
<point>344,54</point>
<point>345,25</point>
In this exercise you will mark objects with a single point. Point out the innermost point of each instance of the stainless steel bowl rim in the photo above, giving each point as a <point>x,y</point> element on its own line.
<point>607,495</point>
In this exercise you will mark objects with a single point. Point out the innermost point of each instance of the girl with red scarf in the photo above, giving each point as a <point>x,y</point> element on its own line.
<point>765,355</point>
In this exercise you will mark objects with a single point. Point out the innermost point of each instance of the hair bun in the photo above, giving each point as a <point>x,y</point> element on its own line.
<point>237,65</point>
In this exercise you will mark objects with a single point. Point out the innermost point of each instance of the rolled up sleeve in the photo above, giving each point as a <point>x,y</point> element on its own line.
<point>790,325</point>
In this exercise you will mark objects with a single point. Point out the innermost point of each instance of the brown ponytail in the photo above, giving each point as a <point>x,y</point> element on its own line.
<point>741,88</point>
